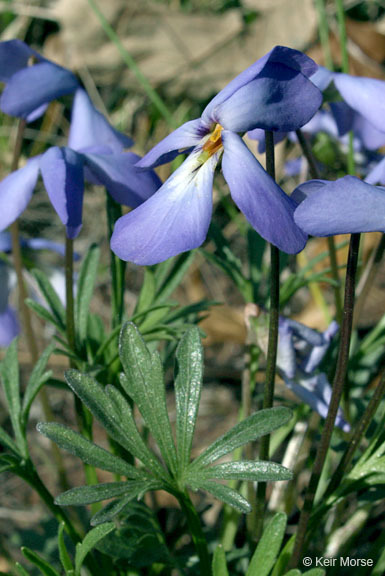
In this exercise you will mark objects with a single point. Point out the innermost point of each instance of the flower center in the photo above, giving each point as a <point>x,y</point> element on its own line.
<point>214,142</point>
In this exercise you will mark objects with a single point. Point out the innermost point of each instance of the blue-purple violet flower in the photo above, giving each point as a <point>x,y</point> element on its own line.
<point>95,153</point>
<point>275,93</point>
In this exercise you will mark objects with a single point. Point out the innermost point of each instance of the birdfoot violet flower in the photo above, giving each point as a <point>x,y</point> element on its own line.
<point>95,153</point>
<point>275,93</point>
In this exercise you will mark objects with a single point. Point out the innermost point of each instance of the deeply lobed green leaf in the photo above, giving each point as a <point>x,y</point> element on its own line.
<point>83,495</point>
<point>253,471</point>
<point>144,384</point>
<point>248,430</point>
<point>103,405</point>
<point>87,451</point>
<point>91,539</point>
<point>268,547</point>
<point>188,385</point>
<point>222,492</point>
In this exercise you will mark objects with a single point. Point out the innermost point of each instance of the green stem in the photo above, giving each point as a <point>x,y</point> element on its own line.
<point>196,531</point>
<point>357,436</point>
<point>314,172</point>
<point>132,65</point>
<point>271,359</point>
<point>338,386</point>
<point>117,266</point>
<point>323,29</point>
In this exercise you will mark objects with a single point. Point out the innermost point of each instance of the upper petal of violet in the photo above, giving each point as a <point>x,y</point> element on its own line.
<point>16,191</point>
<point>345,206</point>
<point>89,128</point>
<point>34,86</point>
<point>281,56</point>
<point>62,172</point>
<point>279,99</point>
<point>265,205</point>
<point>173,220</point>
<point>186,136</point>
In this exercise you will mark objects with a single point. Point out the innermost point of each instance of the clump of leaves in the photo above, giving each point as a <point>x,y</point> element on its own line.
<point>269,558</point>
<point>142,383</point>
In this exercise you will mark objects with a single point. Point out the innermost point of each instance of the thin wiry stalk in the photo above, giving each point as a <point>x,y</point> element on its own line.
<point>338,386</point>
<point>272,348</point>
<point>357,436</point>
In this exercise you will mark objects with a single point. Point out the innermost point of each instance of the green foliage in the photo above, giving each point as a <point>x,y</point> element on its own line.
<point>88,452</point>
<point>143,383</point>
<point>19,408</point>
<point>56,309</point>
<point>138,538</point>
<point>257,425</point>
<point>63,552</point>
<point>219,562</point>
<point>44,566</point>
<point>268,547</point>
<point>90,541</point>
<point>85,289</point>
<point>188,385</point>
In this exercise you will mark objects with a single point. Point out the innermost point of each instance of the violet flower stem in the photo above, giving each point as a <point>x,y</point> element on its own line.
<point>338,386</point>
<point>25,313</point>
<point>272,348</point>
<point>314,172</point>
<point>357,436</point>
